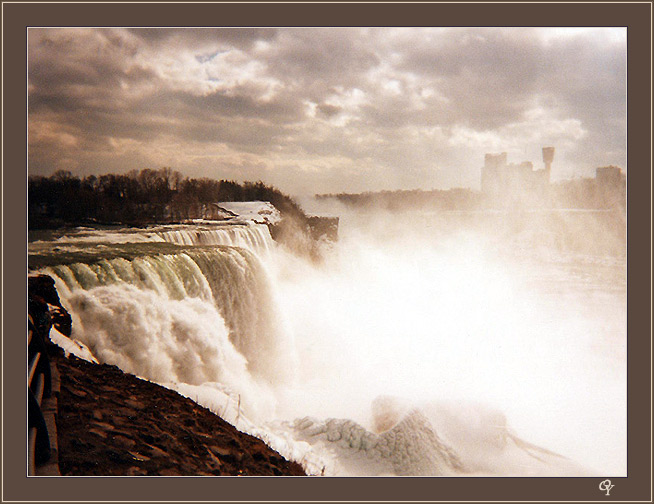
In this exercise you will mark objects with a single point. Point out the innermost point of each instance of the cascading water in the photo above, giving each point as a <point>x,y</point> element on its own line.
<point>229,279</point>
<point>464,347</point>
<point>190,314</point>
<point>252,237</point>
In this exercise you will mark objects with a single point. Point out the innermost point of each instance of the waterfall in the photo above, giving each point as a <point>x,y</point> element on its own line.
<point>254,237</point>
<point>194,316</point>
<point>91,245</point>
<point>296,353</point>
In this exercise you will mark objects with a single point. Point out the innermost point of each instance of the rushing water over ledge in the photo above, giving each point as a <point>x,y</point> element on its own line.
<point>463,347</point>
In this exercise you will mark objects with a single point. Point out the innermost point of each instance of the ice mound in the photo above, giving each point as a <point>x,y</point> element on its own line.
<point>429,439</point>
<point>410,447</point>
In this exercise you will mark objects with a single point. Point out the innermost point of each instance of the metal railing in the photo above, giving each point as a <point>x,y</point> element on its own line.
<point>39,386</point>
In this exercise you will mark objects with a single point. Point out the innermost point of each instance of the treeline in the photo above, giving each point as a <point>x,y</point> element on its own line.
<point>404,200</point>
<point>139,198</point>
<point>586,193</point>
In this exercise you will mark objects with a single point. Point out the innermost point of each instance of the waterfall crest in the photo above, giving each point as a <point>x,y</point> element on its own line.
<point>254,237</point>
<point>88,245</point>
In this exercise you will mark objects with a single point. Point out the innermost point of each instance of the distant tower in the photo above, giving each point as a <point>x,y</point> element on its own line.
<point>548,157</point>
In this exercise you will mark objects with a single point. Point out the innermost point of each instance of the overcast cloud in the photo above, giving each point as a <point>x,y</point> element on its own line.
<point>326,110</point>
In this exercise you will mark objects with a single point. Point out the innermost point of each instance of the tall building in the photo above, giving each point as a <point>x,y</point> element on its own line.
<point>611,186</point>
<point>548,157</point>
<point>510,183</point>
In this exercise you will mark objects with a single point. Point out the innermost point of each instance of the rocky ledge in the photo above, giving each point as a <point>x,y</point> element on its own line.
<point>113,423</point>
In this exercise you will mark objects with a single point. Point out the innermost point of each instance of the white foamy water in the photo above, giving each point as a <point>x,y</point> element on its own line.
<point>254,237</point>
<point>415,348</point>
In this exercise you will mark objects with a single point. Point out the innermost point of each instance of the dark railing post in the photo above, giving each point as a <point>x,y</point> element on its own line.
<point>39,386</point>
<point>44,311</point>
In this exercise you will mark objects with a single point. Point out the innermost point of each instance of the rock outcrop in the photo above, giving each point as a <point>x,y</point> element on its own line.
<point>112,423</point>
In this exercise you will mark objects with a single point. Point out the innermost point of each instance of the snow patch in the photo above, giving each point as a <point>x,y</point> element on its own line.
<point>261,212</point>
<point>72,346</point>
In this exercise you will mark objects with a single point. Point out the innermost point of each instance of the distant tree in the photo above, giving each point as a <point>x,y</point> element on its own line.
<point>140,197</point>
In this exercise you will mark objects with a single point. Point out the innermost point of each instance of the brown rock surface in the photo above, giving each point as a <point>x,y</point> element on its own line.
<point>112,423</point>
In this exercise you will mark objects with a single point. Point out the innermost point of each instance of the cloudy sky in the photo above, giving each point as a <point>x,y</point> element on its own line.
<point>326,109</point>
